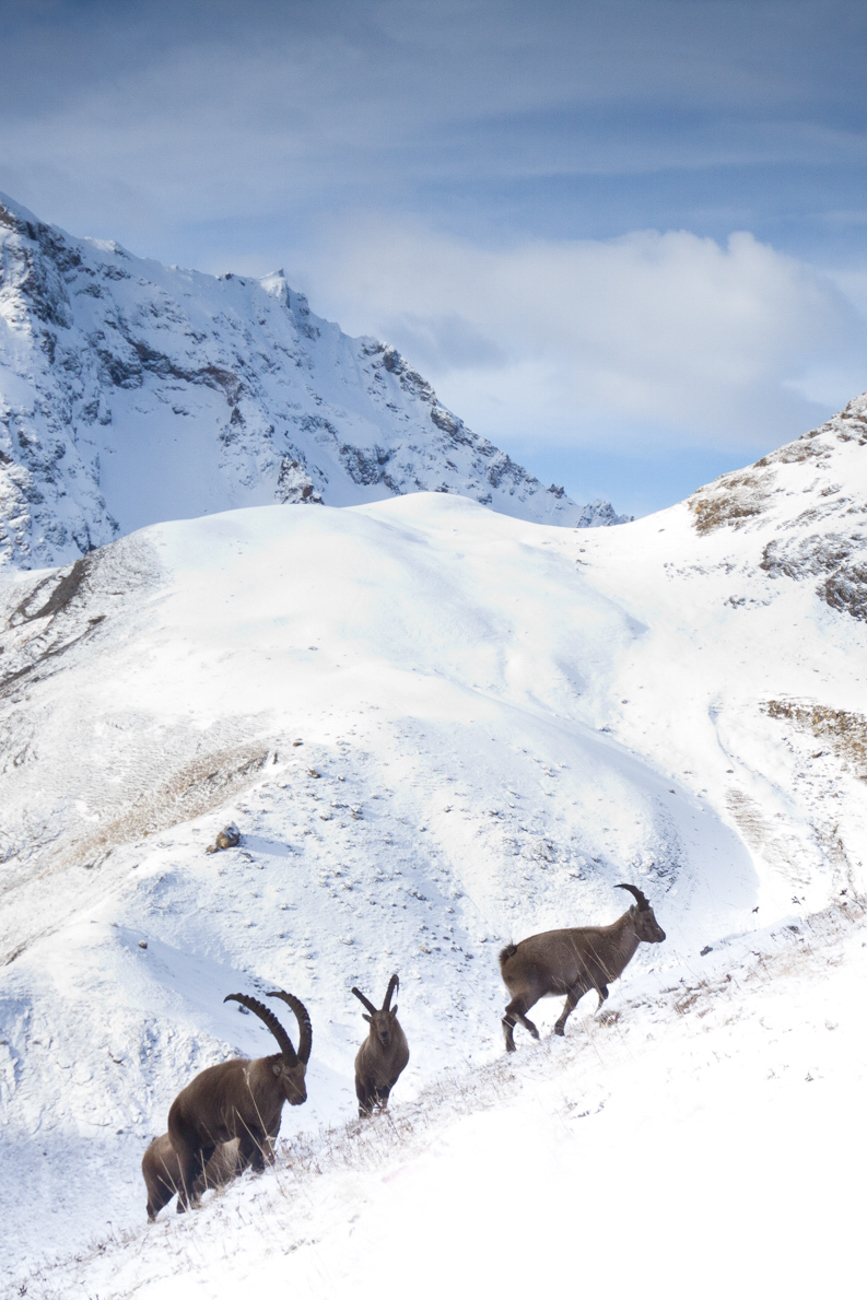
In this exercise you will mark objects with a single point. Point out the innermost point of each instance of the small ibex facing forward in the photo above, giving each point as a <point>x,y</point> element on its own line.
<point>382,1056</point>
<point>573,962</point>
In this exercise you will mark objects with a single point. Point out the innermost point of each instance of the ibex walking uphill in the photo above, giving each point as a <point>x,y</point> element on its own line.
<point>573,962</point>
<point>382,1056</point>
<point>240,1099</point>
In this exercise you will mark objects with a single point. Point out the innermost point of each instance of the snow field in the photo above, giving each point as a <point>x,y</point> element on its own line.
<point>703,1136</point>
<point>498,722</point>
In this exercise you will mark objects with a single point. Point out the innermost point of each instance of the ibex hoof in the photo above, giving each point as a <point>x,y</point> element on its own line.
<point>561,1030</point>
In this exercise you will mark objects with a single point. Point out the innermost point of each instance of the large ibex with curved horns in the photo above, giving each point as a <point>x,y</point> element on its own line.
<point>240,1099</point>
<point>382,1056</point>
<point>573,962</point>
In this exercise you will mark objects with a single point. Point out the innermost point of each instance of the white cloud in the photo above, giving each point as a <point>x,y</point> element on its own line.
<point>561,341</point>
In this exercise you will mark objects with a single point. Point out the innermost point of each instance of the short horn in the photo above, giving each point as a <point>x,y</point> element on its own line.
<point>305,1029</point>
<point>393,986</point>
<point>365,1001</point>
<point>267,1015</point>
<point>643,904</point>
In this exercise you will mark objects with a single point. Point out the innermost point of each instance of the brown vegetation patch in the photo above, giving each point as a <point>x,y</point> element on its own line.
<point>845,733</point>
<point>810,446</point>
<point>204,784</point>
<point>731,500</point>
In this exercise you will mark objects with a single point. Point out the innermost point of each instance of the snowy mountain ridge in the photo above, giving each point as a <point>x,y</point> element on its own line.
<point>132,393</point>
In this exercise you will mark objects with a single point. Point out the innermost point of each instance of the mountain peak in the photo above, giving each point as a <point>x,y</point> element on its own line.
<point>132,393</point>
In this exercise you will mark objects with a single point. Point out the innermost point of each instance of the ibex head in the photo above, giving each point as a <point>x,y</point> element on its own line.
<point>381,1022</point>
<point>290,1066</point>
<point>647,927</point>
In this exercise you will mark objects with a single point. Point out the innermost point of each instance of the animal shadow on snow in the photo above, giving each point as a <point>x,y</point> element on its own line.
<point>255,844</point>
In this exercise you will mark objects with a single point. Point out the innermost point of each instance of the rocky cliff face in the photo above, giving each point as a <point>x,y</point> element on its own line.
<point>808,503</point>
<point>132,393</point>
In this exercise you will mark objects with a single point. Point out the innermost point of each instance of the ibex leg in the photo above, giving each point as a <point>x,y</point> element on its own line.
<point>255,1150</point>
<point>366,1097</point>
<point>161,1189</point>
<point>573,998</point>
<point>382,1096</point>
<point>192,1163</point>
<point>568,1007</point>
<point>515,1011</point>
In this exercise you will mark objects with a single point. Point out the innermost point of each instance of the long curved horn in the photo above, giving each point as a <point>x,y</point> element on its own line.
<point>365,1001</point>
<point>305,1029</point>
<point>267,1015</point>
<point>643,904</point>
<point>393,986</point>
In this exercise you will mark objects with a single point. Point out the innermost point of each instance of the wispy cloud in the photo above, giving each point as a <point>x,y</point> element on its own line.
<point>557,341</point>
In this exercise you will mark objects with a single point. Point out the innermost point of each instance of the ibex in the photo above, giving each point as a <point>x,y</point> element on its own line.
<point>573,962</point>
<point>161,1170</point>
<point>382,1056</point>
<point>240,1099</point>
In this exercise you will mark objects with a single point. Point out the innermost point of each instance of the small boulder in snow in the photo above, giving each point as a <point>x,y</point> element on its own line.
<point>228,838</point>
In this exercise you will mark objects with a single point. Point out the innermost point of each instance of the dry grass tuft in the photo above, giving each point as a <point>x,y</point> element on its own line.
<point>845,733</point>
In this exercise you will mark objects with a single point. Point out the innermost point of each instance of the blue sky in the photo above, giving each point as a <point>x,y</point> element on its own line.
<point>625,240</point>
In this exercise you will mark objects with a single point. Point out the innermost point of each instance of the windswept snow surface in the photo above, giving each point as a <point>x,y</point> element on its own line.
<point>499,721</point>
<point>132,393</point>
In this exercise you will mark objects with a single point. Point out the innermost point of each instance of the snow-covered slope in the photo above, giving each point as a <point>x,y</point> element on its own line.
<point>132,393</point>
<point>702,1140</point>
<point>498,721</point>
<point>754,594</point>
